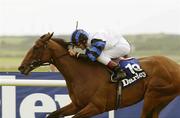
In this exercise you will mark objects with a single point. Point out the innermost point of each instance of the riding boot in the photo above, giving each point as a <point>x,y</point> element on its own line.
<point>118,73</point>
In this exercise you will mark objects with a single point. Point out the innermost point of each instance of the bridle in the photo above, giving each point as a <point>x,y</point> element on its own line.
<point>37,61</point>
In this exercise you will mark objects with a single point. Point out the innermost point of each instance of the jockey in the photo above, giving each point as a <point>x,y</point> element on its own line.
<point>102,47</point>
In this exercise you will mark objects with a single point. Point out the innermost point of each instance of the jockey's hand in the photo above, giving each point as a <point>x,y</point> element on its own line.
<point>72,52</point>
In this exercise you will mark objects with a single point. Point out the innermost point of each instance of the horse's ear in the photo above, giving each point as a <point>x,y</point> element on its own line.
<point>48,37</point>
<point>51,35</point>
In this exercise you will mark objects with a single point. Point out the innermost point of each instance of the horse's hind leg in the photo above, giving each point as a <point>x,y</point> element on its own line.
<point>153,104</point>
<point>70,109</point>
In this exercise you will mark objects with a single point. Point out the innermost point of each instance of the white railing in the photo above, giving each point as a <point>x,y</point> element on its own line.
<point>23,82</point>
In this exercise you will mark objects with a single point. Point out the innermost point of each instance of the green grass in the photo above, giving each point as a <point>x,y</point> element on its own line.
<point>12,40</point>
<point>11,53</point>
<point>11,65</point>
<point>10,61</point>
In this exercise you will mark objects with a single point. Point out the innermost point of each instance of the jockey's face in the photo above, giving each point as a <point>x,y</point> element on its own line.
<point>82,45</point>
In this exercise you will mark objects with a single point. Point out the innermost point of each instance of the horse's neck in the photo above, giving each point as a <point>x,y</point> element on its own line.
<point>67,66</point>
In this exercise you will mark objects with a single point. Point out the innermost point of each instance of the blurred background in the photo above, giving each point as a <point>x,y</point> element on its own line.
<point>152,27</point>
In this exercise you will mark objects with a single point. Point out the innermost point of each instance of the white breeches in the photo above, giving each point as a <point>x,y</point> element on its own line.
<point>118,50</point>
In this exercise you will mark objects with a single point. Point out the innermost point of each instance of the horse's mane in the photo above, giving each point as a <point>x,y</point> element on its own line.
<point>61,42</point>
<point>65,44</point>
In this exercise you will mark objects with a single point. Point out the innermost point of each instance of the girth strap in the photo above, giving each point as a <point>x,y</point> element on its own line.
<point>118,94</point>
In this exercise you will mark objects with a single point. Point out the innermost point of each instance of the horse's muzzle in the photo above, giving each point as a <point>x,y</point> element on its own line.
<point>24,70</point>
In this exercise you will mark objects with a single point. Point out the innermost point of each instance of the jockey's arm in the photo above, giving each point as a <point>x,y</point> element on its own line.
<point>93,52</point>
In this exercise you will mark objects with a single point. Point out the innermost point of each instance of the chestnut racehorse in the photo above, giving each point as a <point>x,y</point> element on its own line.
<point>89,85</point>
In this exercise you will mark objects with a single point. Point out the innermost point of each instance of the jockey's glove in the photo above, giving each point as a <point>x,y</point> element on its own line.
<point>72,52</point>
<point>77,54</point>
<point>80,55</point>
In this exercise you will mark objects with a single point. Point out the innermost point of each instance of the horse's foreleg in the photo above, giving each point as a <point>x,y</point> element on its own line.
<point>89,111</point>
<point>70,109</point>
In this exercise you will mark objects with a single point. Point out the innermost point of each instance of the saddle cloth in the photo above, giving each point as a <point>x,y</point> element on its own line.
<point>132,69</point>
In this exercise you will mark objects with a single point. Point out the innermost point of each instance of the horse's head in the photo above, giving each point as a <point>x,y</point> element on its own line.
<point>38,55</point>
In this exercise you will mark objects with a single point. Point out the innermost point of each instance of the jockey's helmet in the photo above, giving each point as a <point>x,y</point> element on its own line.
<point>79,36</point>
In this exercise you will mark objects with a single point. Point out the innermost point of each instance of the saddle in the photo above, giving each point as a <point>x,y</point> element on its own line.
<point>131,67</point>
